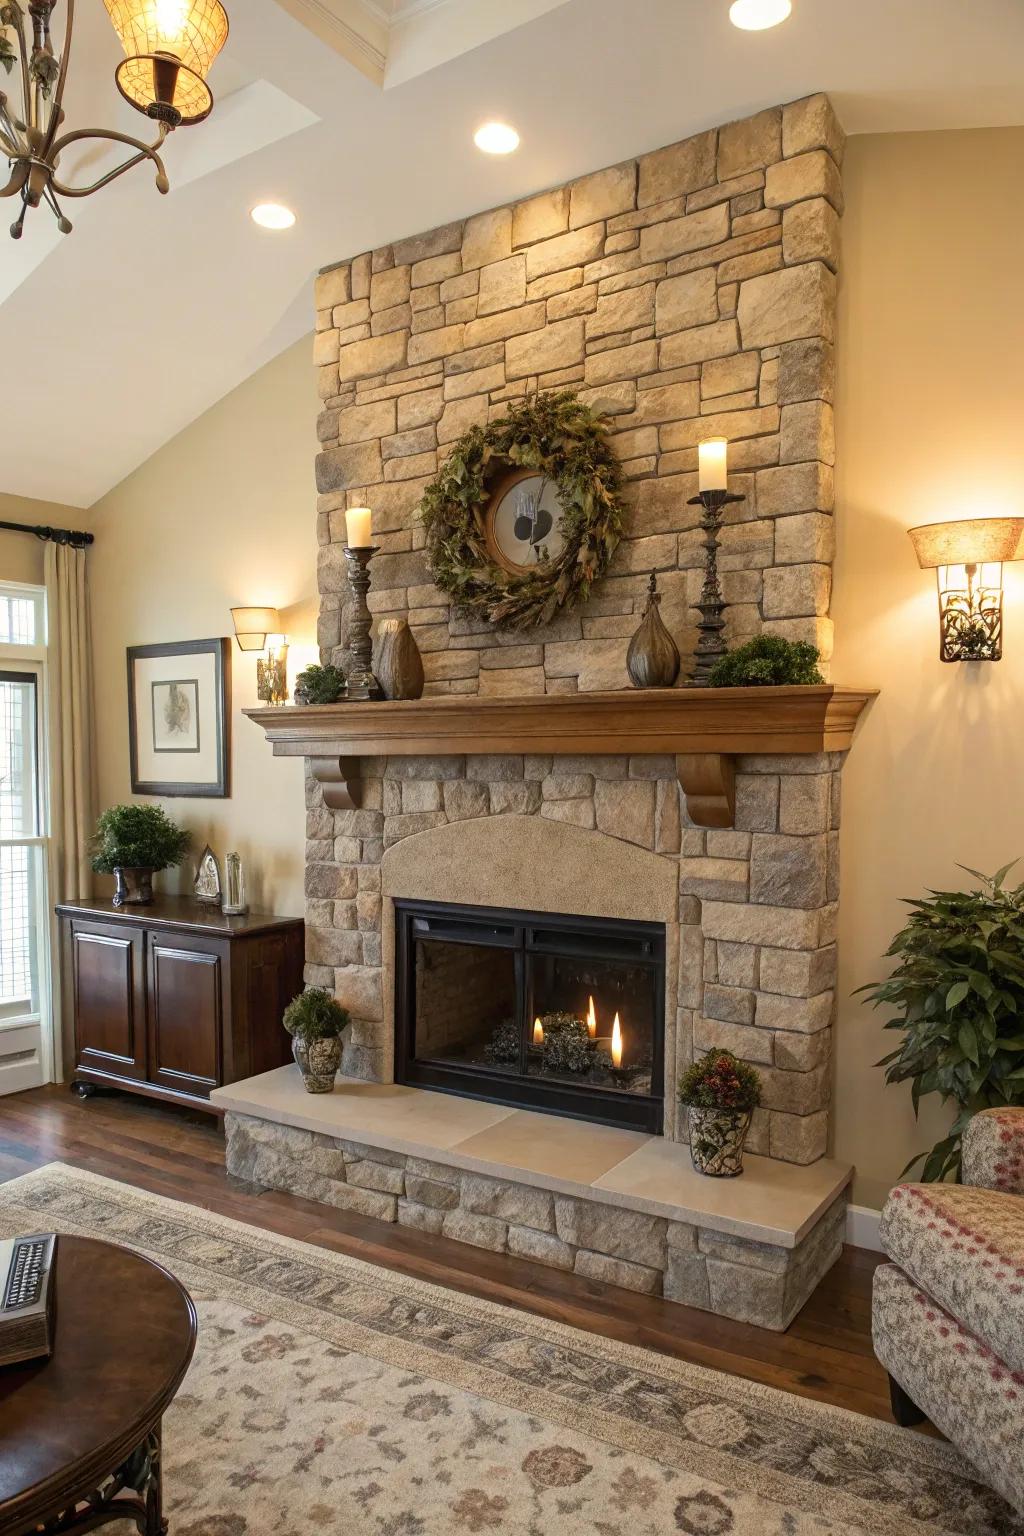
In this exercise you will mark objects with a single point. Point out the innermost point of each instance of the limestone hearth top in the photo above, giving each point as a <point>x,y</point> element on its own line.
<point>704,728</point>
<point>773,1202</point>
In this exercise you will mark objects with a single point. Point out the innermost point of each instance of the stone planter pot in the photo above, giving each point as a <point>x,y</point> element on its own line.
<point>717,1137</point>
<point>133,887</point>
<point>318,1061</point>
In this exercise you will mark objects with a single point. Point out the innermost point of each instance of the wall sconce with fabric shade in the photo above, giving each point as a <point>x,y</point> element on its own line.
<point>968,559</point>
<point>253,625</point>
<point>259,629</point>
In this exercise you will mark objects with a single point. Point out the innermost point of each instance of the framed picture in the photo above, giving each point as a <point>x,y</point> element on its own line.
<point>523,521</point>
<point>178,718</point>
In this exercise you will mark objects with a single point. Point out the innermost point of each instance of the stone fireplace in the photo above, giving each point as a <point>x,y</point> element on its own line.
<point>531,834</point>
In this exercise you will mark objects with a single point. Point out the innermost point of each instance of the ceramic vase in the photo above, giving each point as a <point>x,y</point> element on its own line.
<point>399,668</point>
<point>318,1061</point>
<point>717,1138</point>
<point>652,660</point>
<point>133,887</point>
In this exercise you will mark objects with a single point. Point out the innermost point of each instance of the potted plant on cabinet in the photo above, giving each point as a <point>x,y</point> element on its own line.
<point>132,842</point>
<point>315,1020</point>
<point>720,1093</point>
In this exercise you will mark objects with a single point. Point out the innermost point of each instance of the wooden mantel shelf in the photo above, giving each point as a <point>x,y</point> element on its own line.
<point>703,729</point>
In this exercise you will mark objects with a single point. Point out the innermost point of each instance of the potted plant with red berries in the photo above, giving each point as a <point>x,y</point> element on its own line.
<point>720,1093</point>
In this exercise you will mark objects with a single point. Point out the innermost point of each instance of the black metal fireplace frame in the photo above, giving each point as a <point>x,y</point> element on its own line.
<point>642,944</point>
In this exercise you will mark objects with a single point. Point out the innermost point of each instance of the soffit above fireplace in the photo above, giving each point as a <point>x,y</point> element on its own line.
<point>704,729</point>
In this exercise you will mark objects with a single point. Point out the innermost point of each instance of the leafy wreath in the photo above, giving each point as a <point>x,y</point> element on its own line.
<point>559,436</point>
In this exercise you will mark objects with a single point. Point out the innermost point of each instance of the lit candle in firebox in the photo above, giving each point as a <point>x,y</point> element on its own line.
<point>538,1032</point>
<point>591,1020</point>
<point>616,1043</point>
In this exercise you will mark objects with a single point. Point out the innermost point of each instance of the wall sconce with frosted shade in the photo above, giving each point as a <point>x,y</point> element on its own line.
<point>968,559</point>
<point>259,629</point>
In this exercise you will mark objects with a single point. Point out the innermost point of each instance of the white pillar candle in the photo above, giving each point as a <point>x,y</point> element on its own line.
<point>711,464</point>
<point>357,527</point>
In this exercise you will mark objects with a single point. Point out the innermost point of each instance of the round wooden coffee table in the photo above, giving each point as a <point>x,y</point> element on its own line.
<point>81,1431</point>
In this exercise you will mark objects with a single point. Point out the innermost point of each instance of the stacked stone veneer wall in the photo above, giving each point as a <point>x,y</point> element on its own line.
<point>755,1282</point>
<point>688,293</point>
<point>750,912</point>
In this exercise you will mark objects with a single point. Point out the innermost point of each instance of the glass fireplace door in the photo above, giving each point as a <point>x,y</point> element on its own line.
<point>556,1013</point>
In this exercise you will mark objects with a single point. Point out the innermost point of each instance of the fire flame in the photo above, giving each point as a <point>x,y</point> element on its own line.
<point>591,1020</point>
<point>538,1032</point>
<point>616,1043</point>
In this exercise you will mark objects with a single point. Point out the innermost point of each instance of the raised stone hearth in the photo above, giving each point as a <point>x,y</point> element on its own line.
<point>608,1204</point>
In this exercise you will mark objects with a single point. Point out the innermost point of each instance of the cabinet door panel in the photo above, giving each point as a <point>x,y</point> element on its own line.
<point>185,987</point>
<point>109,1000</point>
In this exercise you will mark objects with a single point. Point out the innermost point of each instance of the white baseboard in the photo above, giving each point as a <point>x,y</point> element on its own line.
<point>862,1227</point>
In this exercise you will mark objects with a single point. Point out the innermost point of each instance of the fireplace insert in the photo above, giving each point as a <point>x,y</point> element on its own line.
<point>562,1014</point>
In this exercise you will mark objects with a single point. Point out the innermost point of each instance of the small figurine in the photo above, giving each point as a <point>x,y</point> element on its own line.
<point>206,885</point>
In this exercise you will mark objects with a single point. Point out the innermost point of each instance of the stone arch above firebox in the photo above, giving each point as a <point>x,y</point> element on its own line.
<point>534,863</point>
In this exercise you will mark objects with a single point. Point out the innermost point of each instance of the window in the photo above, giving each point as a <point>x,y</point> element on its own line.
<point>24,903</point>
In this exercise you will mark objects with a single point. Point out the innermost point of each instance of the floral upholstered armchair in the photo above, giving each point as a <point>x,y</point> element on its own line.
<point>948,1312</point>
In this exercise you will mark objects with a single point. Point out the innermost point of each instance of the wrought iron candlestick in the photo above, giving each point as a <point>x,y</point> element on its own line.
<point>361,682</point>
<point>710,642</point>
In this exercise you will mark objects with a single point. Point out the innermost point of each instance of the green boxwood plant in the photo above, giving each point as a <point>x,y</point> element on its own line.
<point>315,1015</point>
<point>958,992</point>
<point>766,661</point>
<point>137,837</point>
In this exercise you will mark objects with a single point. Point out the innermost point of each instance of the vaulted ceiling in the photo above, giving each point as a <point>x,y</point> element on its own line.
<point>359,115</point>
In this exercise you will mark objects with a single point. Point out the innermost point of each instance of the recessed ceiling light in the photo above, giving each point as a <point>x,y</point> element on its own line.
<point>758,15</point>
<point>496,139</point>
<point>272,216</point>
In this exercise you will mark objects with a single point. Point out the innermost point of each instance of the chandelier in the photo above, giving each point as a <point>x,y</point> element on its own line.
<point>169,47</point>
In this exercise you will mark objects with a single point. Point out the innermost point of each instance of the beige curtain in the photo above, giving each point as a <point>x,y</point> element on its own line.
<point>70,722</point>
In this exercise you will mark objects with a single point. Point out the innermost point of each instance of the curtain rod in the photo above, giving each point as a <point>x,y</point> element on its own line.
<point>72,536</point>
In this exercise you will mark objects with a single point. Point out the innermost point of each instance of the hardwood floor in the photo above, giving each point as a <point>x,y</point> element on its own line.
<point>826,1353</point>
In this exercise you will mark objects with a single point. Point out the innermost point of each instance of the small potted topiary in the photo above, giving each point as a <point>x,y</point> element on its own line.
<point>315,1020</point>
<point>131,842</point>
<point>720,1093</point>
<point>767,661</point>
<point>320,685</point>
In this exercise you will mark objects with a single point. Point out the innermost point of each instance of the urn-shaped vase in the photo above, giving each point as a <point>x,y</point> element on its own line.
<point>652,660</point>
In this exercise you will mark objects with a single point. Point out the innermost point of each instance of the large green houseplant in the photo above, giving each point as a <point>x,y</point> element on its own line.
<point>958,992</point>
<point>131,842</point>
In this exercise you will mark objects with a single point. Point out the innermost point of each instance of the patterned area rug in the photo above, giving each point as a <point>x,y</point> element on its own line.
<point>328,1395</point>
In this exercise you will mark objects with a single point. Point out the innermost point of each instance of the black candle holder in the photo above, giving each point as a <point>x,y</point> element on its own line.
<point>362,685</point>
<point>710,640</point>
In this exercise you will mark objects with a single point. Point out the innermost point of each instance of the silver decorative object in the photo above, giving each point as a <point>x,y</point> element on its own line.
<point>234,903</point>
<point>206,885</point>
<point>652,660</point>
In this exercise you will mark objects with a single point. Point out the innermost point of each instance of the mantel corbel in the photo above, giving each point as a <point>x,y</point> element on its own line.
<point>708,783</point>
<point>339,778</point>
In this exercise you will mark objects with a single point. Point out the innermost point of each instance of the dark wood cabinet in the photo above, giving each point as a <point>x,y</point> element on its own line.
<point>174,999</point>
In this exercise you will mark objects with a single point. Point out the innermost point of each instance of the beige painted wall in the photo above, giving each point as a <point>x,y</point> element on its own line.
<point>21,555</point>
<point>928,415</point>
<point>224,514</point>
